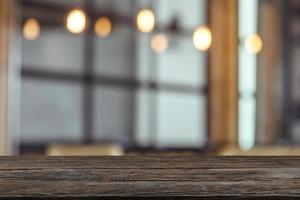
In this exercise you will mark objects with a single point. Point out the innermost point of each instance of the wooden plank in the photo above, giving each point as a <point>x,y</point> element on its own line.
<point>135,177</point>
<point>5,6</point>
<point>223,82</point>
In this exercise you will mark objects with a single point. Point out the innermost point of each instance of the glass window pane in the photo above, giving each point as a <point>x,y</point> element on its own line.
<point>113,114</point>
<point>119,45</point>
<point>247,72</point>
<point>50,111</point>
<point>191,13</point>
<point>54,50</point>
<point>247,75</point>
<point>182,63</point>
<point>247,124</point>
<point>181,120</point>
<point>143,127</point>
<point>247,61</point>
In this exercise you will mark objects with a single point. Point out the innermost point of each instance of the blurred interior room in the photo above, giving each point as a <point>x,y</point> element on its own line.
<point>115,77</point>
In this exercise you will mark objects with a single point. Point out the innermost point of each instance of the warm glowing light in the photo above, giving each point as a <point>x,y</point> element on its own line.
<point>253,44</point>
<point>31,29</point>
<point>159,43</point>
<point>76,21</point>
<point>145,21</point>
<point>202,38</point>
<point>103,27</point>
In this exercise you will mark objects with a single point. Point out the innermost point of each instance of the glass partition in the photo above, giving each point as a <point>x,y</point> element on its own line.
<point>113,71</point>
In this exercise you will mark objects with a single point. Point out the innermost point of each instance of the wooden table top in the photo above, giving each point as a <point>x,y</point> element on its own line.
<point>140,177</point>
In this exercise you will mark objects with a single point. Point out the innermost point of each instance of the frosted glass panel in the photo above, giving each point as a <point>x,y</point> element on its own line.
<point>247,75</point>
<point>54,50</point>
<point>247,123</point>
<point>247,62</point>
<point>182,64</point>
<point>247,72</point>
<point>144,58</point>
<point>181,120</point>
<point>144,136</point>
<point>187,11</point>
<point>114,55</point>
<point>248,17</point>
<point>50,111</point>
<point>113,113</point>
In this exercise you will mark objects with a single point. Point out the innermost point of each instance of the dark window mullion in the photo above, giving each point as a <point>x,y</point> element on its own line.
<point>88,62</point>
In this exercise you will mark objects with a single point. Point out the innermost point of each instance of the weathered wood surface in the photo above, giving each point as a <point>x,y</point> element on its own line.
<point>137,177</point>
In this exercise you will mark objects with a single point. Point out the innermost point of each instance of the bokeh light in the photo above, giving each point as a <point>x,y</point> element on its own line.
<point>31,29</point>
<point>253,44</point>
<point>103,27</point>
<point>202,38</point>
<point>146,21</point>
<point>159,43</point>
<point>76,21</point>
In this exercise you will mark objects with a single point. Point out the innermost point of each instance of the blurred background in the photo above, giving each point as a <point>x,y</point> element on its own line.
<point>115,77</point>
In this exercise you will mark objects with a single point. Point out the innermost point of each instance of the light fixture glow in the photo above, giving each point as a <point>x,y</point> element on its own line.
<point>159,43</point>
<point>253,44</point>
<point>76,21</point>
<point>202,38</point>
<point>31,29</point>
<point>146,21</point>
<point>103,27</point>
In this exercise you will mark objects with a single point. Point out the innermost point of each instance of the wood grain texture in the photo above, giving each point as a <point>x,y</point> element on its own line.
<point>137,177</point>
<point>223,73</point>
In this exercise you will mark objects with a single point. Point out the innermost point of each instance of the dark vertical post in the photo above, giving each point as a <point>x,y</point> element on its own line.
<point>88,62</point>
<point>223,73</point>
<point>133,88</point>
<point>287,104</point>
<point>154,90</point>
